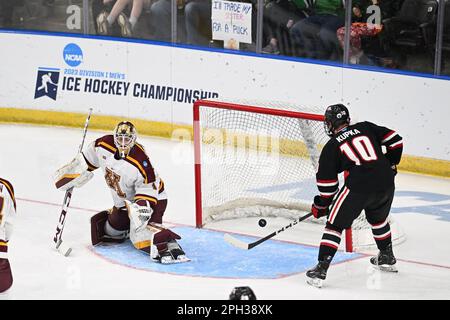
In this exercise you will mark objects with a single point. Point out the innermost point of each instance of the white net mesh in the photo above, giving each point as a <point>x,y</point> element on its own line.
<point>256,164</point>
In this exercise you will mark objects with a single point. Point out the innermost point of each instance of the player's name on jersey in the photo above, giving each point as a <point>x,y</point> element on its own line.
<point>346,134</point>
<point>104,86</point>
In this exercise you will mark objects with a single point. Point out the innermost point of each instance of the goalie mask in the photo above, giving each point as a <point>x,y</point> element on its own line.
<point>124,137</point>
<point>335,116</point>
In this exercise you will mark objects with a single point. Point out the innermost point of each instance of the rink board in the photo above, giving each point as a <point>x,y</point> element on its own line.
<point>213,257</point>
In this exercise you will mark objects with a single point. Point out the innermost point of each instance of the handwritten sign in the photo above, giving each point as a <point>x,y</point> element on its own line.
<point>231,21</point>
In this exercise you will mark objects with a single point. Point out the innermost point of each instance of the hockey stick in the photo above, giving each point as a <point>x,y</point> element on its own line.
<point>247,246</point>
<point>62,248</point>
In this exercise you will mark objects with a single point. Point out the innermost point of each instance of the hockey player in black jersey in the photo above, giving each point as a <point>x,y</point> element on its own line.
<point>356,150</point>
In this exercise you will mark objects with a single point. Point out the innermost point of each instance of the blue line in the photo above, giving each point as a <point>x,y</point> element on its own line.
<point>234,52</point>
<point>48,69</point>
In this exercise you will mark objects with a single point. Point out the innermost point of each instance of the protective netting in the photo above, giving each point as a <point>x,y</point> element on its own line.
<point>257,164</point>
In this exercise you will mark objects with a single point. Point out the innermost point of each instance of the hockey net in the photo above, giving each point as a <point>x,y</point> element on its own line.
<point>256,159</point>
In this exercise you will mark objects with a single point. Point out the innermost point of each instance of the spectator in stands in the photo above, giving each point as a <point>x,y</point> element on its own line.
<point>7,11</point>
<point>160,20</point>
<point>198,21</point>
<point>360,27</point>
<point>364,23</point>
<point>97,7</point>
<point>197,15</point>
<point>106,19</point>
<point>316,35</point>
<point>279,17</point>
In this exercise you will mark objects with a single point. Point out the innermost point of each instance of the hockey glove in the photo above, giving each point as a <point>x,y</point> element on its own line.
<point>318,208</point>
<point>73,175</point>
<point>139,214</point>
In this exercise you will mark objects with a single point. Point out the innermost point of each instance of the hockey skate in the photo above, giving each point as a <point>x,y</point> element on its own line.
<point>385,260</point>
<point>173,254</point>
<point>315,276</point>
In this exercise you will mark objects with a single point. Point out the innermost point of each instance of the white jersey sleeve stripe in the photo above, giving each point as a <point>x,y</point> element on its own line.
<point>327,184</point>
<point>396,144</point>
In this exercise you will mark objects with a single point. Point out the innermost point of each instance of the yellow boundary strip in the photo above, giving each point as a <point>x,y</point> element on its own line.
<point>414,164</point>
<point>98,122</point>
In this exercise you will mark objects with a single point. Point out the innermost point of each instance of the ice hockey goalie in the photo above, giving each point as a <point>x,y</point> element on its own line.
<point>138,193</point>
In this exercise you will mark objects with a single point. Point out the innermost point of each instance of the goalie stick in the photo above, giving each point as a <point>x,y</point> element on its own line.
<point>60,246</point>
<point>247,246</point>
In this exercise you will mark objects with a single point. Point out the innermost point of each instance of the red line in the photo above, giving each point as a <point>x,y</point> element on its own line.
<point>56,204</point>
<point>424,263</point>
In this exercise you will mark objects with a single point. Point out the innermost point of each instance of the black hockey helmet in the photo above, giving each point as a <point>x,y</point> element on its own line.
<point>242,293</point>
<point>335,116</point>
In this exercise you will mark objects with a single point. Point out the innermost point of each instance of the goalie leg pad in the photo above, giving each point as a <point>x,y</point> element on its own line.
<point>163,235</point>
<point>98,222</point>
<point>165,248</point>
<point>152,239</point>
<point>102,231</point>
<point>6,278</point>
<point>173,254</point>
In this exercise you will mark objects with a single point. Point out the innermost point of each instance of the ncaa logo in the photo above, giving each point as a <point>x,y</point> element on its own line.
<point>73,55</point>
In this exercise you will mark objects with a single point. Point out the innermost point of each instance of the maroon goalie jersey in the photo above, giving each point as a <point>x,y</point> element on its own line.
<point>358,150</point>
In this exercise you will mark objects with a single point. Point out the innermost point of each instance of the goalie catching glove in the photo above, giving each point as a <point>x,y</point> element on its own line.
<point>73,175</point>
<point>320,207</point>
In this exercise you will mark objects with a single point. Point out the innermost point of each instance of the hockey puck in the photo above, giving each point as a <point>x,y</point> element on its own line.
<point>262,223</point>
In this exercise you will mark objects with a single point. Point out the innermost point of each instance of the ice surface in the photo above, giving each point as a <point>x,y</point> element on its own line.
<point>30,155</point>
